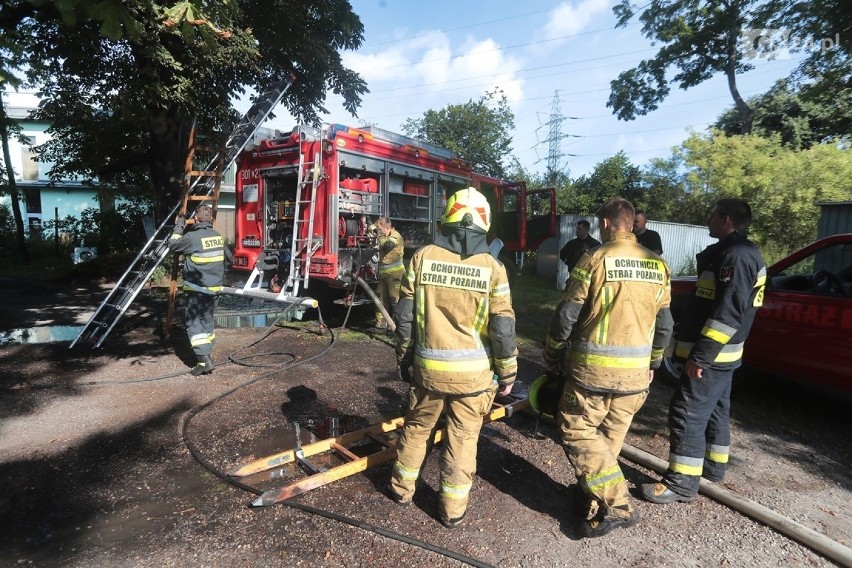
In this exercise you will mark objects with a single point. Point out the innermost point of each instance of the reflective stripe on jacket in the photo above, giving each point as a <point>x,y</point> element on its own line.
<point>204,258</point>
<point>391,249</point>
<point>455,315</point>
<point>716,318</point>
<point>615,312</point>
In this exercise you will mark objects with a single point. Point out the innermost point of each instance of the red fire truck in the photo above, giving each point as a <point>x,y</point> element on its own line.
<point>305,200</point>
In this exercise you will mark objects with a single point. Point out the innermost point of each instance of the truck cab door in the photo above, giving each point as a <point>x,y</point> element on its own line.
<point>540,217</point>
<point>509,220</point>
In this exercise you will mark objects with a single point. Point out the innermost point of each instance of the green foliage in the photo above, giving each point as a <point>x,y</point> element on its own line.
<point>612,177</point>
<point>783,187</point>
<point>801,118</point>
<point>824,69</point>
<point>479,132</point>
<point>8,249</point>
<point>116,230</point>
<point>664,195</point>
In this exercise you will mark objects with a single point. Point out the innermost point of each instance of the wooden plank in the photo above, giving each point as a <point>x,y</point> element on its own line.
<point>344,452</point>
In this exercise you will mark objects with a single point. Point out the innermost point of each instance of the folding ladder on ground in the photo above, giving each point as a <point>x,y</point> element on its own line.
<point>107,315</point>
<point>348,448</point>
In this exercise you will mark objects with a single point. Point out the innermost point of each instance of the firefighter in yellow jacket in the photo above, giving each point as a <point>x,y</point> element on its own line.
<point>456,327</point>
<point>608,335</point>
<point>391,268</point>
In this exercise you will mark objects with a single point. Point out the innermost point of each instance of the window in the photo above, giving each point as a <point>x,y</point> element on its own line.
<point>32,195</point>
<point>30,161</point>
<point>827,271</point>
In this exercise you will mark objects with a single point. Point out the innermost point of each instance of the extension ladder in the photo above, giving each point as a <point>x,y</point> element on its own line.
<point>113,307</point>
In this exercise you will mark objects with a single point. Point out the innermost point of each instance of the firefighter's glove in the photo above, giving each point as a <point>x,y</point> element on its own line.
<point>180,223</point>
<point>554,358</point>
<point>404,372</point>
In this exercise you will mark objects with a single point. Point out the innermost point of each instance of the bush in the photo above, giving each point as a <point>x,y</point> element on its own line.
<point>118,230</point>
<point>8,248</point>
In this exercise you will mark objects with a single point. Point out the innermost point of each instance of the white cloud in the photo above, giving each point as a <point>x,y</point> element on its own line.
<point>569,19</point>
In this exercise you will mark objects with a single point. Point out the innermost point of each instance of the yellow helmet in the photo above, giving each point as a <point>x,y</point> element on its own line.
<point>467,208</point>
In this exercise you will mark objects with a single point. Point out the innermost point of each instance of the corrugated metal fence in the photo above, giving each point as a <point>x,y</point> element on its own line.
<point>680,245</point>
<point>835,218</point>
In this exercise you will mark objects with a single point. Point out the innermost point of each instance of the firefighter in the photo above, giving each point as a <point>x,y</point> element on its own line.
<point>391,268</point>
<point>456,327</point>
<point>607,336</point>
<point>204,253</point>
<point>713,327</point>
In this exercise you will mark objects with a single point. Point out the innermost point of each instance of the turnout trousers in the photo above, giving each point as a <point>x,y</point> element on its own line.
<point>389,294</point>
<point>700,436</point>
<point>464,414</point>
<point>593,426</point>
<point>200,325</point>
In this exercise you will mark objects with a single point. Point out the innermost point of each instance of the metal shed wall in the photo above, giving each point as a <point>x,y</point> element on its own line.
<point>834,218</point>
<point>680,245</point>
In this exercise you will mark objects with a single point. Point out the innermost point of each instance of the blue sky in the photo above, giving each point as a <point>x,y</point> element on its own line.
<point>428,54</point>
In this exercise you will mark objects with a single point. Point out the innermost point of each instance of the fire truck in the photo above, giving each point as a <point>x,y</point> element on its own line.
<point>305,201</point>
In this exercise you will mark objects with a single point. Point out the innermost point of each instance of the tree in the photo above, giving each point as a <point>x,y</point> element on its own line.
<point>822,28</point>
<point>612,177</point>
<point>479,132</point>
<point>124,81</point>
<point>783,187</point>
<point>10,62</point>
<point>699,39</point>
<point>663,196</point>
<point>8,176</point>
<point>801,118</point>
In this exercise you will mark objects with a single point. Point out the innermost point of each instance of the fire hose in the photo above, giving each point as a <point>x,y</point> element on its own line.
<point>378,302</point>
<point>788,527</point>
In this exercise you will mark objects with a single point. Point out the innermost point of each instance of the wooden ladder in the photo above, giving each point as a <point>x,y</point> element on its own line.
<point>189,202</point>
<point>346,449</point>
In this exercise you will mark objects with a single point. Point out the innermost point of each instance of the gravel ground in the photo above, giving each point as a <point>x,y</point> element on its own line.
<point>96,466</point>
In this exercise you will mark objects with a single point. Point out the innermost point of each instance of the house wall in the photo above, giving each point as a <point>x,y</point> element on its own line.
<point>69,197</point>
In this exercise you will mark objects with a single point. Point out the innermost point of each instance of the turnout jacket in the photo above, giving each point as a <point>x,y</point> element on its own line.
<point>614,316</point>
<point>204,253</point>
<point>574,249</point>
<point>455,321</point>
<point>717,316</point>
<point>391,248</point>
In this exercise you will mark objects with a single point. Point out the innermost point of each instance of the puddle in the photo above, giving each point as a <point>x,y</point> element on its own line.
<point>46,334</point>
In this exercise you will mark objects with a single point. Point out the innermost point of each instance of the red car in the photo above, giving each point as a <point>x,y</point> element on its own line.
<point>804,329</point>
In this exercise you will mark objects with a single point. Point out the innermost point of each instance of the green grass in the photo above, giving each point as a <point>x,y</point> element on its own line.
<point>534,300</point>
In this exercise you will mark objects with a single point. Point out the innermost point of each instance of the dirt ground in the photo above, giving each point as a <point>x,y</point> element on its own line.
<point>111,458</point>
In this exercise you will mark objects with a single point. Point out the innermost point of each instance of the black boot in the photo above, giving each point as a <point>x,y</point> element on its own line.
<point>204,367</point>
